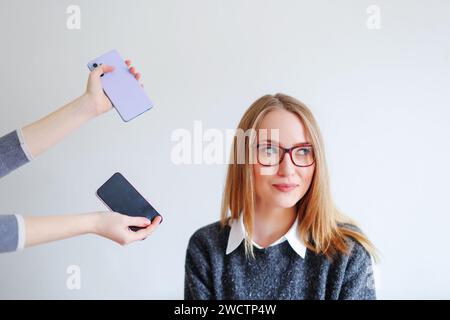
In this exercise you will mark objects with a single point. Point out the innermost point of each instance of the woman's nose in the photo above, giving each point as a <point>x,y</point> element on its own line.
<point>286,167</point>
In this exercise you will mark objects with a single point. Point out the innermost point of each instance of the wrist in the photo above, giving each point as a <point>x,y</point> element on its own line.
<point>86,107</point>
<point>93,223</point>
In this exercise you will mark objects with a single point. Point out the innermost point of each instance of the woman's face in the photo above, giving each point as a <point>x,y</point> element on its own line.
<point>283,185</point>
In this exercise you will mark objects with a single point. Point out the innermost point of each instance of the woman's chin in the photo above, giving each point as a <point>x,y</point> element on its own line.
<point>285,202</point>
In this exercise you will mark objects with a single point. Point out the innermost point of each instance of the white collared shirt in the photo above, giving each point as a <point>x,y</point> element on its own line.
<point>238,234</point>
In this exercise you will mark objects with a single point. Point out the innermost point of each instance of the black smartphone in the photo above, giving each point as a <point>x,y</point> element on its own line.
<point>120,196</point>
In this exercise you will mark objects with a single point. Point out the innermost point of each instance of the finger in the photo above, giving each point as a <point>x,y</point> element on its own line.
<point>157,220</point>
<point>102,69</point>
<point>144,233</point>
<point>137,76</point>
<point>133,70</point>
<point>138,222</point>
<point>128,62</point>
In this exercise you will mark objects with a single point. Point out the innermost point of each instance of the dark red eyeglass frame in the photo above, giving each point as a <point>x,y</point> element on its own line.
<point>284,151</point>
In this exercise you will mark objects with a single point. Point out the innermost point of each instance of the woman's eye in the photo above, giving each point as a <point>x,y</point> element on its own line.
<point>303,151</point>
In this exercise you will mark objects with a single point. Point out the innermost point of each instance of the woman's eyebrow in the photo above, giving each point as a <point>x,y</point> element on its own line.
<point>279,144</point>
<point>302,144</point>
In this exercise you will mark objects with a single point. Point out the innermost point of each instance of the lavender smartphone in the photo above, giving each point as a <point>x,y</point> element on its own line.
<point>121,87</point>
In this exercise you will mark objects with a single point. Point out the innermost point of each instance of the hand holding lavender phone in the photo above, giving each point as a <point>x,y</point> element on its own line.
<point>97,102</point>
<point>122,89</point>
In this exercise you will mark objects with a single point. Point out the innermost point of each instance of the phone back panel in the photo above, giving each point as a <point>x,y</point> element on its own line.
<point>121,87</point>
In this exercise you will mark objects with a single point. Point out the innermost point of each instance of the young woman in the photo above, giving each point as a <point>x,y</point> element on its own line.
<point>280,236</point>
<point>20,146</point>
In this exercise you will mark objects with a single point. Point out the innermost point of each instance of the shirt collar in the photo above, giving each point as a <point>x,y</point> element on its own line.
<point>238,234</point>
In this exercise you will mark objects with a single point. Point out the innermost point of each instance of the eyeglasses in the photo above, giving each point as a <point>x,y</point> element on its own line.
<point>272,155</point>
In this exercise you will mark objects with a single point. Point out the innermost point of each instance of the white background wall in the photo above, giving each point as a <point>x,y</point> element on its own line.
<point>381,97</point>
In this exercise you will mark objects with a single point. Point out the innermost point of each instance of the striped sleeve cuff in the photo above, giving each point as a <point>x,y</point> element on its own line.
<point>20,232</point>
<point>24,145</point>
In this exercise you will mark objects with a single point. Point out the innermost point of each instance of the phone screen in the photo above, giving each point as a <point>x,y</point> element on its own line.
<point>120,196</point>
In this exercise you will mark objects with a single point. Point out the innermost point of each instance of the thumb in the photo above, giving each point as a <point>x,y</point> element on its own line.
<point>144,233</point>
<point>101,69</point>
<point>138,222</point>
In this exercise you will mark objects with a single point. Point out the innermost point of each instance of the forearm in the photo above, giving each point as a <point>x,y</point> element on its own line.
<point>51,228</point>
<point>48,131</point>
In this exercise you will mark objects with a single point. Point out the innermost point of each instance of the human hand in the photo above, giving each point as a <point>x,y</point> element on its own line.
<point>115,226</point>
<point>97,102</point>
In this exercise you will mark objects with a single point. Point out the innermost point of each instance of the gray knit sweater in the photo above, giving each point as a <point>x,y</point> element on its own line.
<point>277,272</point>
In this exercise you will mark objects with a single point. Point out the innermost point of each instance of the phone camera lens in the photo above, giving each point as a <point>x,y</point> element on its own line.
<point>95,65</point>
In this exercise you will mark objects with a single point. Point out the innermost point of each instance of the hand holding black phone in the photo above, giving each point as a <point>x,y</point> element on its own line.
<point>120,196</point>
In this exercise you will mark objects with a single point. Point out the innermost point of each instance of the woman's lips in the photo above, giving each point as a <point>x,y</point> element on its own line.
<point>285,187</point>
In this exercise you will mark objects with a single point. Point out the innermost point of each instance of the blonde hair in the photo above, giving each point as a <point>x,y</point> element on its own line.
<point>323,228</point>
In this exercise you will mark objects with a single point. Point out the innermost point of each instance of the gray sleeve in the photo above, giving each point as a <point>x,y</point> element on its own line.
<point>359,282</point>
<point>13,152</point>
<point>11,233</point>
